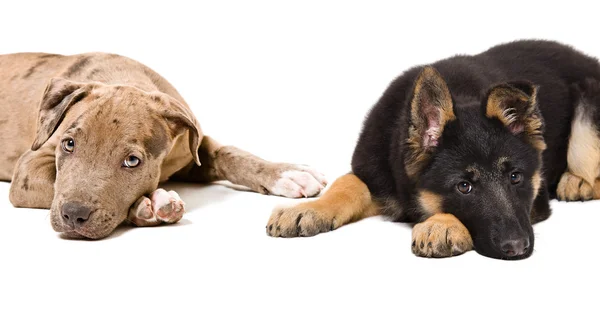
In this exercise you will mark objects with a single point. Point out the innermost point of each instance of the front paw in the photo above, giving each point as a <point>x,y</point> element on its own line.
<point>441,235</point>
<point>573,188</point>
<point>296,181</point>
<point>161,207</point>
<point>299,221</point>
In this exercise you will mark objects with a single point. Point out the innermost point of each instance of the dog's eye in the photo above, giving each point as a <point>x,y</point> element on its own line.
<point>464,187</point>
<point>68,145</point>
<point>131,162</point>
<point>516,177</point>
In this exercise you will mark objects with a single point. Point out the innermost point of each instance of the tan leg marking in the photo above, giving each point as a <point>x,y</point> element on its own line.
<point>583,159</point>
<point>441,235</point>
<point>573,188</point>
<point>347,200</point>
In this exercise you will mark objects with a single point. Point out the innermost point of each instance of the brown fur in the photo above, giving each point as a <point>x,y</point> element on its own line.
<point>503,98</point>
<point>113,107</point>
<point>430,202</point>
<point>430,92</point>
<point>441,235</point>
<point>348,200</point>
<point>580,181</point>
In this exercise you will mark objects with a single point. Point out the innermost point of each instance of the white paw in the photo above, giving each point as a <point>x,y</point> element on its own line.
<point>303,182</point>
<point>161,207</point>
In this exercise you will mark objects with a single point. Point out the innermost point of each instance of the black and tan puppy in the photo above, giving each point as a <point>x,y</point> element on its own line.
<point>471,148</point>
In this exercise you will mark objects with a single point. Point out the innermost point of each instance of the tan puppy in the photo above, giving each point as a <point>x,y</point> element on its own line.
<point>91,136</point>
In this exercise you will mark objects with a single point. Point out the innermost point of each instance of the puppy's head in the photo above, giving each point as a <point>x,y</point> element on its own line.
<point>478,159</point>
<point>111,141</point>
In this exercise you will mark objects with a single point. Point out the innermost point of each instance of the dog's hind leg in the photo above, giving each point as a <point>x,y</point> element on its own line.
<point>580,181</point>
<point>243,168</point>
<point>32,184</point>
<point>347,200</point>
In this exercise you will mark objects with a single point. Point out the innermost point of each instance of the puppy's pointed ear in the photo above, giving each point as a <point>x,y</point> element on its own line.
<point>181,119</point>
<point>431,109</point>
<point>515,105</point>
<point>59,96</point>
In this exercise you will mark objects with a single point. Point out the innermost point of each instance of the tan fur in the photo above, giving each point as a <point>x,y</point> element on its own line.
<point>580,181</point>
<point>113,107</point>
<point>496,103</point>
<point>574,188</point>
<point>430,85</point>
<point>583,156</point>
<point>441,235</point>
<point>536,182</point>
<point>348,200</point>
<point>497,107</point>
<point>431,203</point>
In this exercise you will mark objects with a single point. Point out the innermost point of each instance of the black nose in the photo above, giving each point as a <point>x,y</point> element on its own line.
<point>75,214</point>
<point>516,247</point>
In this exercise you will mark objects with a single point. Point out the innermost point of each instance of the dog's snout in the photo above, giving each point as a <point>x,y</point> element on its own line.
<point>515,247</point>
<point>75,214</point>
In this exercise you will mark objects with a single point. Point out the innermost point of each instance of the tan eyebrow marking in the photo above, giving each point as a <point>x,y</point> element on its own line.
<point>501,161</point>
<point>476,173</point>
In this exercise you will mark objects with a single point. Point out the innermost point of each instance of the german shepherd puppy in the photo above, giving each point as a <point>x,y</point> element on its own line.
<point>471,148</point>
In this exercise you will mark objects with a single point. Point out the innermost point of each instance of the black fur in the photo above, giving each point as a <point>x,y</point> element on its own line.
<point>560,73</point>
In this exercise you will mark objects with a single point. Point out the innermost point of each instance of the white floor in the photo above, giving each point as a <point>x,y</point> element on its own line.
<point>289,83</point>
<point>217,268</point>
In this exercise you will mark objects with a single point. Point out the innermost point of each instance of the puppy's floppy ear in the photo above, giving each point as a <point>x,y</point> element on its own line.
<point>180,119</point>
<point>515,105</point>
<point>59,96</point>
<point>431,109</point>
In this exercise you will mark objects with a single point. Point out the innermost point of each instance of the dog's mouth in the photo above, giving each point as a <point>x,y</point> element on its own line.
<point>98,224</point>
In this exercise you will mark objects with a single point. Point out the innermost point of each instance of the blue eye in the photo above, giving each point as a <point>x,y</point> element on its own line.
<point>516,177</point>
<point>131,162</point>
<point>68,145</point>
<point>464,187</point>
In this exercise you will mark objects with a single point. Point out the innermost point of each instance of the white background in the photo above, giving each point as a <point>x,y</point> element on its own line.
<point>289,82</point>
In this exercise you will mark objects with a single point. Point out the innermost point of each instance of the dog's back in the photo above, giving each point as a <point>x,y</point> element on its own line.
<point>552,66</point>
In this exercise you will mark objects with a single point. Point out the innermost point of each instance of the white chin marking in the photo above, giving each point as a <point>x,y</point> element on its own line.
<point>298,183</point>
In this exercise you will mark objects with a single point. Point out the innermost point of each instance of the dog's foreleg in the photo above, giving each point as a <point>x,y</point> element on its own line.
<point>243,168</point>
<point>33,179</point>
<point>347,200</point>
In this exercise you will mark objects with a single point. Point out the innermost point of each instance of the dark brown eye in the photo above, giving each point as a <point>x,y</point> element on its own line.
<point>464,187</point>
<point>68,145</point>
<point>131,161</point>
<point>516,177</point>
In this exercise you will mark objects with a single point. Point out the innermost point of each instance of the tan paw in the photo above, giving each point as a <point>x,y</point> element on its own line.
<point>441,235</point>
<point>573,188</point>
<point>296,181</point>
<point>161,207</point>
<point>299,221</point>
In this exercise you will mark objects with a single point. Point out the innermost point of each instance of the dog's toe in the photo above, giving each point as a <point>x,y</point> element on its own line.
<point>161,207</point>
<point>299,221</point>
<point>167,206</point>
<point>142,214</point>
<point>573,188</point>
<point>298,183</point>
<point>441,235</point>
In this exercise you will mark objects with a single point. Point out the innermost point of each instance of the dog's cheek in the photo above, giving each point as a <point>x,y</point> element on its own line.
<point>103,225</point>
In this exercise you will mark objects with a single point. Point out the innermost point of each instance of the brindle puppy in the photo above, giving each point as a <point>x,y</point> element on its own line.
<point>91,136</point>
